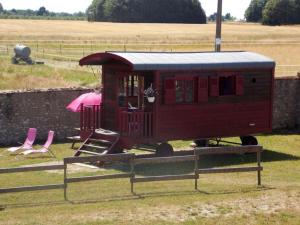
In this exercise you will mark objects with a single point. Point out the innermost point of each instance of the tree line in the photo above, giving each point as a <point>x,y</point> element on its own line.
<point>41,13</point>
<point>274,12</point>
<point>147,11</point>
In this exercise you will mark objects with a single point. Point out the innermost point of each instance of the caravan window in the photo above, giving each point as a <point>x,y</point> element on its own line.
<point>227,85</point>
<point>185,90</point>
<point>180,90</point>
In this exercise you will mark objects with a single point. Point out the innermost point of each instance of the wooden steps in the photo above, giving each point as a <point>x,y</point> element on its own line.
<point>99,143</point>
<point>95,147</point>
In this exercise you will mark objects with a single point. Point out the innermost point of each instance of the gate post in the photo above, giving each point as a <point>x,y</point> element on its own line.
<point>196,170</point>
<point>132,174</point>
<point>65,180</point>
<point>259,169</point>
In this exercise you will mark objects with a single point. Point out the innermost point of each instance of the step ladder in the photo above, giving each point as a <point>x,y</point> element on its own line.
<point>100,142</point>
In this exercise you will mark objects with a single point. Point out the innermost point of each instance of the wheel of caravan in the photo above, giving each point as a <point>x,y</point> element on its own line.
<point>248,140</point>
<point>201,142</point>
<point>164,149</point>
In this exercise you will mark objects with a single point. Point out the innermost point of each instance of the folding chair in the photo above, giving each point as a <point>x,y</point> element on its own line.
<point>45,148</point>
<point>31,135</point>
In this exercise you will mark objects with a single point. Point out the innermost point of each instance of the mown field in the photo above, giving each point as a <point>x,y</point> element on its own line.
<point>221,199</point>
<point>60,44</point>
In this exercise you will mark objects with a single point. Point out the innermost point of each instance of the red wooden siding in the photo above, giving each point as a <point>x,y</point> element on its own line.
<point>245,112</point>
<point>169,86</point>
<point>214,86</point>
<point>239,85</point>
<point>202,89</point>
<point>216,120</point>
<point>136,124</point>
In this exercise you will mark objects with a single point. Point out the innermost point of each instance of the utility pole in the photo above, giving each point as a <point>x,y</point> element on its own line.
<point>219,27</point>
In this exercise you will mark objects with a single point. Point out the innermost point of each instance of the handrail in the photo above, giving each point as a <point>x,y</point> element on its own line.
<point>136,123</point>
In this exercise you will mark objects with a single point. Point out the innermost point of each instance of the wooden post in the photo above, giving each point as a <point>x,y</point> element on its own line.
<point>65,181</point>
<point>196,172</point>
<point>258,164</point>
<point>132,174</point>
<point>219,27</point>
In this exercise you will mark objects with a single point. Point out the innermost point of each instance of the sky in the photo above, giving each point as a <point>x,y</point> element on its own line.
<point>234,7</point>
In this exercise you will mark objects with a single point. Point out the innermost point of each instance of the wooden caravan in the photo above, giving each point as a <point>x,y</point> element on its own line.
<point>196,95</point>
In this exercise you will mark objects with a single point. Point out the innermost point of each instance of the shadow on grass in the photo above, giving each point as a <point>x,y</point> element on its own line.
<point>204,162</point>
<point>65,202</point>
<point>281,132</point>
<point>225,192</point>
<point>134,197</point>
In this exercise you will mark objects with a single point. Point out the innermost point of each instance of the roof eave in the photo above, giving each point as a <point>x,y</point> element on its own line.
<point>101,59</point>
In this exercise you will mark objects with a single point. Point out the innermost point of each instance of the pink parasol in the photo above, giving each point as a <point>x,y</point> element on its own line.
<point>86,99</point>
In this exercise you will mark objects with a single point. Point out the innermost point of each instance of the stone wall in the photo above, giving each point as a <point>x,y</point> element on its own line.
<point>286,107</point>
<point>46,110</point>
<point>43,109</point>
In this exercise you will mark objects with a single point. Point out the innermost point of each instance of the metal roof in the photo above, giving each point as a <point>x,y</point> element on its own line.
<point>181,61</point>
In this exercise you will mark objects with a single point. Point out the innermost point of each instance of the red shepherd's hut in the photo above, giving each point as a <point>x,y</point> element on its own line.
<point>196,95</point>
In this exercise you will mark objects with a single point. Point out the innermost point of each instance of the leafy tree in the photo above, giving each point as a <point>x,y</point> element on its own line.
<point>213,17</point>
<point>277,12</point>
<point>169,11</point>
<point>254,12</point>
<point>297,11</point>
<point>95,11</point>
<point>227,17</point>
<point>42,11</point>
<point>1,8</point>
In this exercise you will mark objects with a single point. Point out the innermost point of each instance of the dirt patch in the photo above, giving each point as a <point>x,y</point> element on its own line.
<point>72,168</point>
<point>267,203</point>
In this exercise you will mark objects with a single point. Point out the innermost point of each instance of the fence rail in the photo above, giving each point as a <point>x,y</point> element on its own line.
<point>31,169</point>
<point>132,160</point>
<point>164,160</point>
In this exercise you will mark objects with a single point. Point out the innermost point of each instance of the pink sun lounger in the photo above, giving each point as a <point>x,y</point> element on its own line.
<point>31,135</point>
<point>45,148</point>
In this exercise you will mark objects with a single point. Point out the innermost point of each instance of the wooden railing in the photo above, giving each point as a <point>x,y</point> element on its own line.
<point>31,169</point>
<point>136,124</point>
<point>133,160</point>
<point>90,119</point>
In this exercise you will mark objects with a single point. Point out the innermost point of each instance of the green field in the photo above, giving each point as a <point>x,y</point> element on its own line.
<point>60,44</point>
<point>221,199</point>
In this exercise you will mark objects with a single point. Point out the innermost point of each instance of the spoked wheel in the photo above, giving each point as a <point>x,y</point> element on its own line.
<point>249,140</point>
<point>164,149</point>
<point>201,142</point>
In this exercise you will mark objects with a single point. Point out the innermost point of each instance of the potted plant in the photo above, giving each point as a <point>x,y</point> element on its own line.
<point>150,93</point>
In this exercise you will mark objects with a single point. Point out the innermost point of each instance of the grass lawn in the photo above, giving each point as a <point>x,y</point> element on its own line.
<point>42,76</point>
<point>221,199</point>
